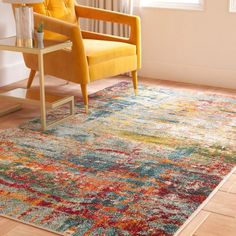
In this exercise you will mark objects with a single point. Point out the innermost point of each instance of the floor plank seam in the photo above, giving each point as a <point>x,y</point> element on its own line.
<point>227,192</point>
<point>217,213</point>
<point>200,223</point>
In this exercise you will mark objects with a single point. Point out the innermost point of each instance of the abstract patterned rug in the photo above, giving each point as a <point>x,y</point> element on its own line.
<point>133,166</point>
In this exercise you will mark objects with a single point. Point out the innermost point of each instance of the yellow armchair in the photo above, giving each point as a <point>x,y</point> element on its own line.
<point>93,55</point>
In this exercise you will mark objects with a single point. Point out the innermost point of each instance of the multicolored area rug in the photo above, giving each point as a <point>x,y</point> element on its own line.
<point>133,166</point>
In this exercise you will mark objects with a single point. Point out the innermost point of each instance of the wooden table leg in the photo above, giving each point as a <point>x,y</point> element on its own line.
<point>42,92</point>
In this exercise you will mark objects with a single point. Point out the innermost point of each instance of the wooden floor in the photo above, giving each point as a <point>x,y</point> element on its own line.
<point>217,217</point>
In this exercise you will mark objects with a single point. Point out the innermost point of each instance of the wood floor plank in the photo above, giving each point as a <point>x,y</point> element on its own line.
<point>24,230</point>
<point>9,227</point>
<point>6,226</point>
<point>222,203</point>
<point>230,185</point>
<point>194,224</point>
<point>217,225</point>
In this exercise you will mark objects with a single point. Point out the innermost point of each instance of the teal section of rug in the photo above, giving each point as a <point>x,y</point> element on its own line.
<point>136,165</point>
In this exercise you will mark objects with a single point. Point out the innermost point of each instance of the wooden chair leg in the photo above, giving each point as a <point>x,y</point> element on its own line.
<point>31,78</point>
<point>135,81</point>
<point>85,96</point>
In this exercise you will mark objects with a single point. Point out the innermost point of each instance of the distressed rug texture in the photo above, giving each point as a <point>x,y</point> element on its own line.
<point>133,166</point>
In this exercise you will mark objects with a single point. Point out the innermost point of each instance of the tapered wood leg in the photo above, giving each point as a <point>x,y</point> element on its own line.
<point>42,92</point>
<point>31,78</point>
<point>85,96</point>
<point>135,81</point>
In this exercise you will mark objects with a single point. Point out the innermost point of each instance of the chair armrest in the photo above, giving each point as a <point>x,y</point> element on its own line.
<point>73,32</point>
<point>55,25</point>
<point>115,17</point>
<point>110,16</point>
<point>106,15</point>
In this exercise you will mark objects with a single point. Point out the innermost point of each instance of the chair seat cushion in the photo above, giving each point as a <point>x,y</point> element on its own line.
<point>98,51</point>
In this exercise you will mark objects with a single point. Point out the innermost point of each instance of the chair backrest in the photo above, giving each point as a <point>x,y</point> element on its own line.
<point>61,9</point>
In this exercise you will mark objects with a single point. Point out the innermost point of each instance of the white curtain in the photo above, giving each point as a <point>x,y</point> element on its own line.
<point>124,6</point>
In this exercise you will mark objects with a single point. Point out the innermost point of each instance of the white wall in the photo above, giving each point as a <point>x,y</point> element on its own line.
<point>12,67</point>
<point>190,46</point>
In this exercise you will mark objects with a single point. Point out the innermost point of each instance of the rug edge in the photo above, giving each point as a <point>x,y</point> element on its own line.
<point>205,202</point>
<point>30,224</point>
